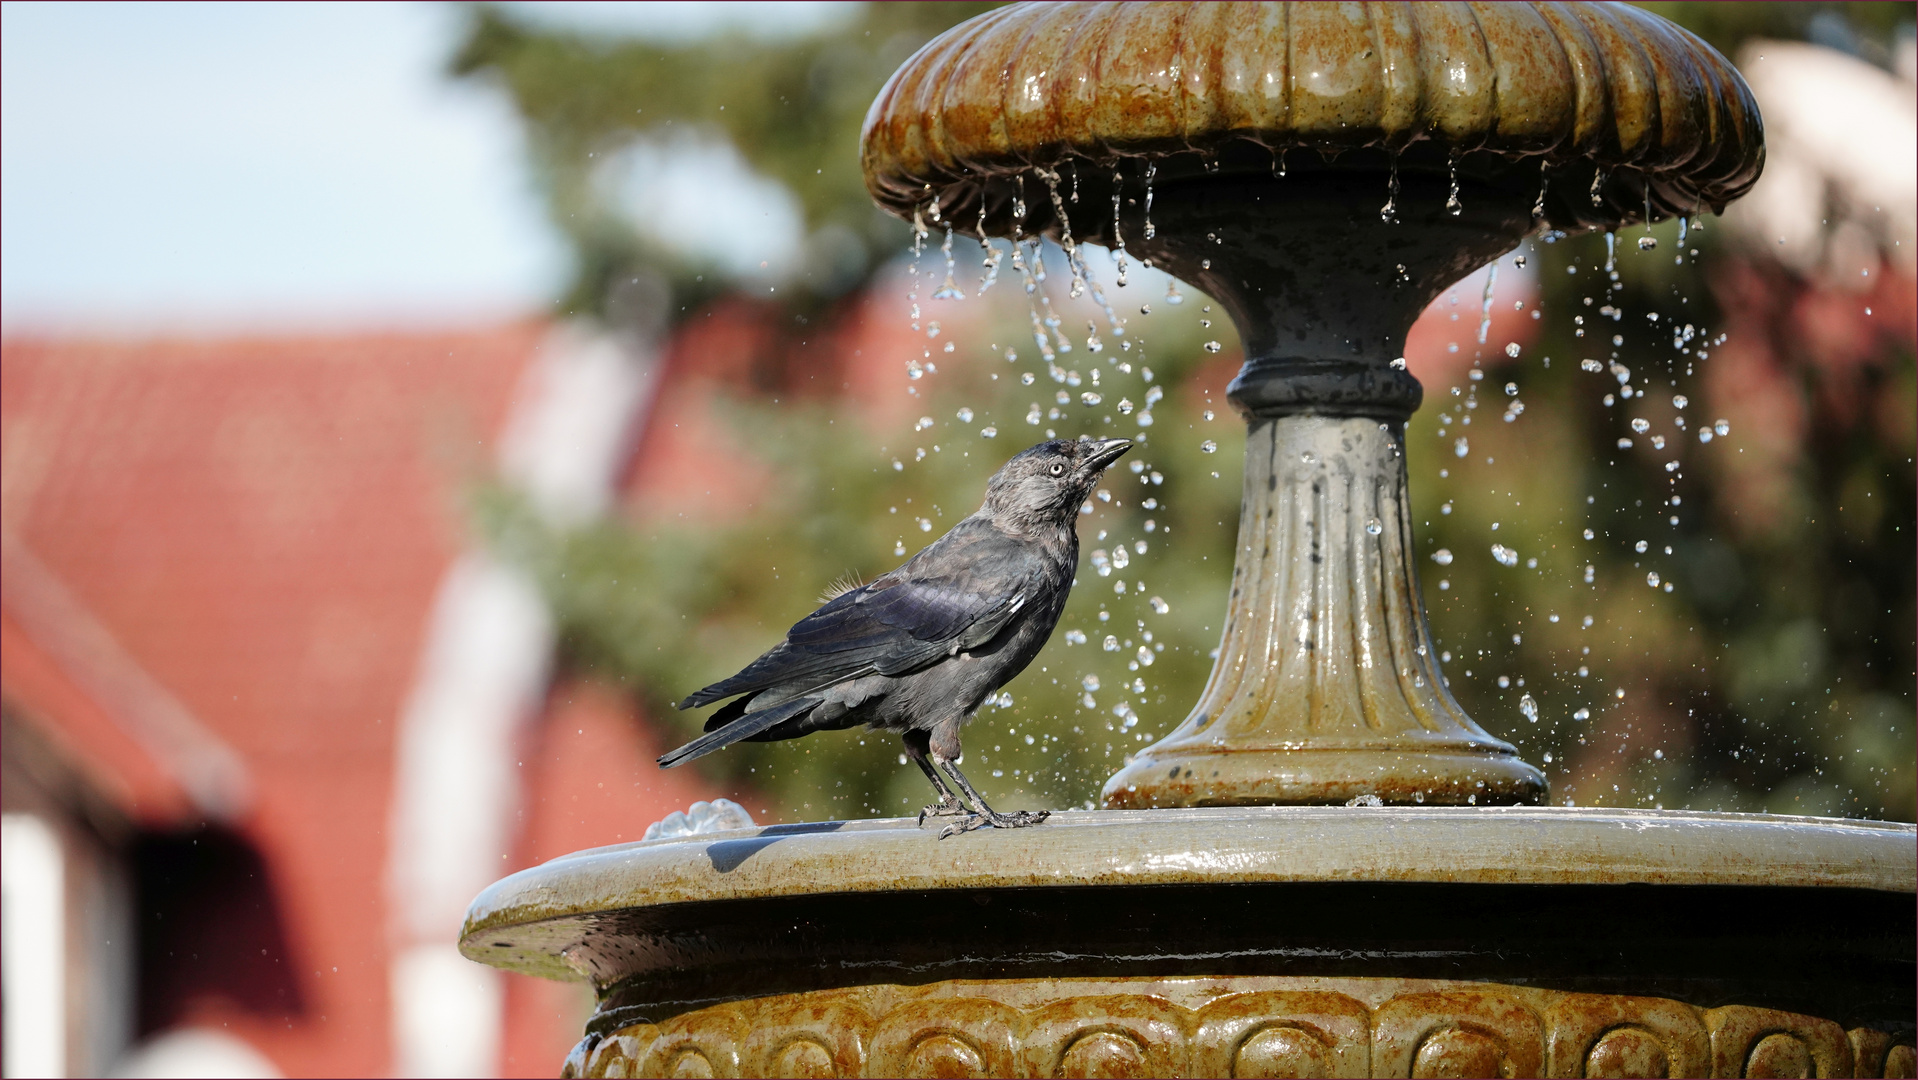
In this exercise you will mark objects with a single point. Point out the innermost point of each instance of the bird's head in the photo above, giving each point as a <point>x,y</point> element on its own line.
<point>1046,484</point>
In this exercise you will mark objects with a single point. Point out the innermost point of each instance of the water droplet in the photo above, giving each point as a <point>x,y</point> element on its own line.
<point>1206,415</point>
<point>989,432</point>
<point>1652,579</point>
<point>965,416</point>
<point>1641,425</point>
<point>1089,398</point>
<point>1159,605</point>
<point>1209,447</point>
<point>899,548</point>
<point>1398,363</point>
<point>1704,435</point>
<point>1512,349</point>
<point>1721,427</point>
<point>1026,378</point>
<point>1624,444</point>
<point>1125,409</point>
<point>1460,447</point>
<point>1033,415</point>
<point>1528,707</point>
<point>1505,556</point>
<point>1591,365</point>
<point>1120,559</point>
<point>1213,346</point>
<point>1442,556</point>
<point>1373,527</point>
<point>925,525</point>
<point>1145,656</point>
<point>1111,643</point>
<point>1658,442</point>
<point>1090,682</point>
<point>1075,637</point>
<point>1582,714</point>
<point>1646,243</point>
<point>924,423</point>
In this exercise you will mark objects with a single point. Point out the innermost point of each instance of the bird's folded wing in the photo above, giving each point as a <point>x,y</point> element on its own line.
<point>897,624</point>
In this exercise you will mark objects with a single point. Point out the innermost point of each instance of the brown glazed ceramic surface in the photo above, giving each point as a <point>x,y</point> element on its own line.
<point>1576,86</point>
<point>1239,1027</point>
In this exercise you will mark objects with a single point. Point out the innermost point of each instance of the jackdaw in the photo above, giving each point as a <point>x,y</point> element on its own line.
<point>919,649</point>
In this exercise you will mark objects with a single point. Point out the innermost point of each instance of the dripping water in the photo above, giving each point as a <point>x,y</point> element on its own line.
<point>1538,205</point>
<point>1648,241</point>
<point>992,254</point>
<point>950,289</point>
<point>1611,251</point>
<point>1485,305</point>
<point>1389,213</point>
<point>1452,204</point>
<point>1118,239</point>
<point>1051,177</point>
<point>1278,163</point>
<point>1598,185</point>
<point>1151,169</point>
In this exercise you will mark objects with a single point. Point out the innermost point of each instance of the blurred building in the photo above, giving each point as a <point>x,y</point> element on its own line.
<point>272,717</point>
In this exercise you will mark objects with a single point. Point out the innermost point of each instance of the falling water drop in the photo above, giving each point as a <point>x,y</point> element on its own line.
<point>1172,294</point>
<point>1611,251</point>
<point>1538,205</point>
<point>949,290</point>
<point>1528,707</point>
<point>1209,447</point>
<point>1647,243</point>
<point>1505,556</point>
<point>1373,527</point>
<point>1452,204</point>
<point>1389,213</point>
<point>1485,305</point>
<point>1652,579</point>
<point>1722,428</point>
<point>1460,448</point>
<point>1442,556</point>
<point>1118,240</point>
<point>1151,169</point>
<point>1598,184</point>
<point>1213,346</point>
<point>1125,409</point>
<point>965,416</point>
<point>1582,714</point>
<point>989,432</point>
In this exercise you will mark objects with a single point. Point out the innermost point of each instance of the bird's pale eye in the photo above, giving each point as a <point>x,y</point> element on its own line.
<point>1058,469</point>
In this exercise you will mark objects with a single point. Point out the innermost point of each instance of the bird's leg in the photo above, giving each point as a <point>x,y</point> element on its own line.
<point>944,756</point>
<point>948,805</point>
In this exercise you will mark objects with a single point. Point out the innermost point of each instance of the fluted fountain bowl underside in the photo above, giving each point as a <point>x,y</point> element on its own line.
<point>1627,112</point>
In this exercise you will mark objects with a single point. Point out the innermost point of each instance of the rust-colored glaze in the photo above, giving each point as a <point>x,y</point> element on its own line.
<point>1589,85</point>
<point>1233,1026</point>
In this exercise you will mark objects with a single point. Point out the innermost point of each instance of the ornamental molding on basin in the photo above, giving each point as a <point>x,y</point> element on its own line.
<point>1244,1026</point>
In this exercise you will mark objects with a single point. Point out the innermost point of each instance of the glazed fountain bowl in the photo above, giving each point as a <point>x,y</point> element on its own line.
<point>1228,913</point>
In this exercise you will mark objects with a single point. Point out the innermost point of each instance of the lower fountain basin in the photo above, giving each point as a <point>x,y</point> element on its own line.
<point>1344,940</point>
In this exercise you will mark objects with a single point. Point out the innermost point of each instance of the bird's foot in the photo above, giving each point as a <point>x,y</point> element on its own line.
<point>1018,819</point>
<point>946,807</point>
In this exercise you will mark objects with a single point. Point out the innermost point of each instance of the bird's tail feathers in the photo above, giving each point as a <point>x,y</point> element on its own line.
<point>746,726</point>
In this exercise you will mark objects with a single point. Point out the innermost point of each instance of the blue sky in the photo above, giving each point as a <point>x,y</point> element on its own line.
<point>272,166</point>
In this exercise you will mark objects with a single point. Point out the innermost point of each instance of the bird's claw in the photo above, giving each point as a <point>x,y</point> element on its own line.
<point>946,808</point>
<point>1018,819</point>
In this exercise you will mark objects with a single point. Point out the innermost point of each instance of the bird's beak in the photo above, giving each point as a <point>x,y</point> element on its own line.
<point>1104,452</point>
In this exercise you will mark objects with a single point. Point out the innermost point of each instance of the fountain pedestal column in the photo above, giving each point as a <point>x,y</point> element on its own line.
<point>1327,684</point>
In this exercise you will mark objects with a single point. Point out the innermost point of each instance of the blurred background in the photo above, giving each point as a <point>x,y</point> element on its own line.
<point>403,405</point>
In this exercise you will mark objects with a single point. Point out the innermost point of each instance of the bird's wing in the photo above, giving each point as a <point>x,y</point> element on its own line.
<point>957,594</point>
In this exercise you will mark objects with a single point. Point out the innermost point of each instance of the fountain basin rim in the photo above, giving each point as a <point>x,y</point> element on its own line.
<point>1211,845</point>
